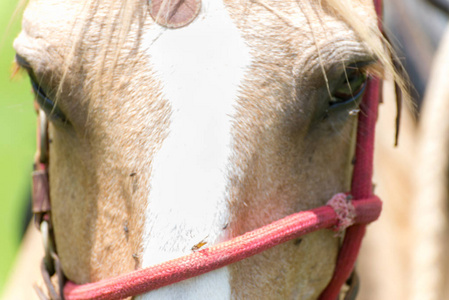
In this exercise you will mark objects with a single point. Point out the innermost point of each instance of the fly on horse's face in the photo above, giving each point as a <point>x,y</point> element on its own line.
<point>165,139</point>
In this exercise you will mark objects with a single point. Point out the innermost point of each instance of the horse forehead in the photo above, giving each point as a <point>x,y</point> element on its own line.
<point>51,20</point>
<point>54,21</point>
<point>294,26</point>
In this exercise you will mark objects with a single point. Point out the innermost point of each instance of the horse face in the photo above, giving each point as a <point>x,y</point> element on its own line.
<point>177,139</point>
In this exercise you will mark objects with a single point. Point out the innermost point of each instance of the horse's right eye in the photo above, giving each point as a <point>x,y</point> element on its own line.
<point>53,112</point>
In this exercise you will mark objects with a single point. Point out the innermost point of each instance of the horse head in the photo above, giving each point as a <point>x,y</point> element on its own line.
<point>165,140</point>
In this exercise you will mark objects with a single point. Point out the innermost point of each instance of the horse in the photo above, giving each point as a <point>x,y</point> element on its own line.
<point>172,132</point>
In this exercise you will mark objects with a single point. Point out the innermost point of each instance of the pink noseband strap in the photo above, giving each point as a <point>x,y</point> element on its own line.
<point>209,259</point>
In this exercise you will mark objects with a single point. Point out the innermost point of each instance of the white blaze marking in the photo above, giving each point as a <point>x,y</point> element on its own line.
<point>200,68</point>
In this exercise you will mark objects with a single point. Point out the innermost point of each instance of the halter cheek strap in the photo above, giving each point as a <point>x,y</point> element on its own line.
<point>362,186</point>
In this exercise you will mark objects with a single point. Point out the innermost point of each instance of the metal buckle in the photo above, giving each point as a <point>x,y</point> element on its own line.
<point>41,201</point>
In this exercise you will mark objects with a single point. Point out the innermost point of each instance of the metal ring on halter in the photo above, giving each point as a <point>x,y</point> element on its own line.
<point>48,247</point>
<point>43,137</point>
<point>50,265</point>
<point>40,293</point>
<point>53,295</point>
<point>59,274</point>
<point>354,285</point>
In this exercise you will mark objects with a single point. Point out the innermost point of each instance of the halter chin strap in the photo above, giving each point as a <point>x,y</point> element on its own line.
<point>339,213</point>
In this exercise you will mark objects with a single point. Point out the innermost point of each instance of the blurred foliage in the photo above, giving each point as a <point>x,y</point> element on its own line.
<point>17,142</point>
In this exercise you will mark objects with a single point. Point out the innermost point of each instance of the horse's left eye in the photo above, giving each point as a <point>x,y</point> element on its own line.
<point>351,89</point>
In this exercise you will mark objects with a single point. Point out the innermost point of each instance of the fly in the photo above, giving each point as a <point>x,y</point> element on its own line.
<point>200,244</point>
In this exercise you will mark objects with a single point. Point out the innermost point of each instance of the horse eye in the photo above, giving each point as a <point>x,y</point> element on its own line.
<point>48,106</point>
<point>351,89</point>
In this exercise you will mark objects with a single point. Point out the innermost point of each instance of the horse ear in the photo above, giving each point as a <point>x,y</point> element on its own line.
<point>174,14</point>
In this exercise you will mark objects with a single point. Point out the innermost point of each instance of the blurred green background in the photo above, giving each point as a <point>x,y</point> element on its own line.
<point>17,142</point>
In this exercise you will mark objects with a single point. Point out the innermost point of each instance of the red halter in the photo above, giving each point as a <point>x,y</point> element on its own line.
<point>338,214</point>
